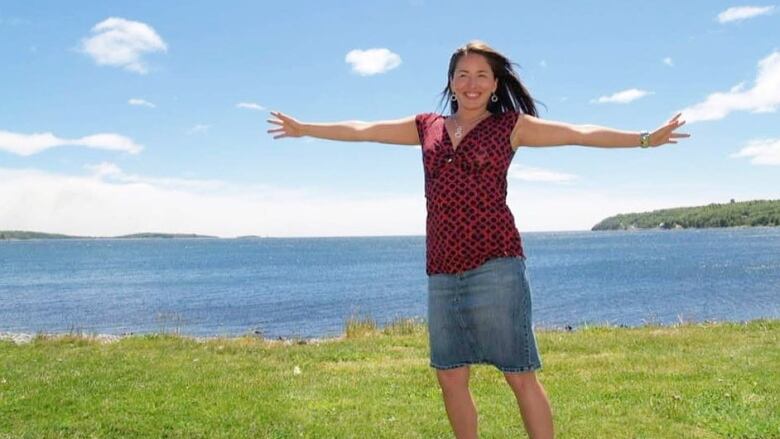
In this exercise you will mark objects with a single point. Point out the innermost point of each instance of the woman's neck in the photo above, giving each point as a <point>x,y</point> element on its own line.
<point>466,116</point>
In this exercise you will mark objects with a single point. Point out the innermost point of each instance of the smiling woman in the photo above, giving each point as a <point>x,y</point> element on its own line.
<point>479,299</point>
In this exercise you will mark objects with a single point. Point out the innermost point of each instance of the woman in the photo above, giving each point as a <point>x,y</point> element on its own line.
<point>479,303</point>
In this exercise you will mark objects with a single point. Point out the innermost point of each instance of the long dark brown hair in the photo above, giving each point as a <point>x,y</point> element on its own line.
<point>512,94</point>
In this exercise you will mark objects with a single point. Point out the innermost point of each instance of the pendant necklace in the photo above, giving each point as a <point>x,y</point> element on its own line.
<point>459,127</point>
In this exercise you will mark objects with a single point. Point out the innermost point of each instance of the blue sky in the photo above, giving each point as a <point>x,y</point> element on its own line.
<point>123,117</point>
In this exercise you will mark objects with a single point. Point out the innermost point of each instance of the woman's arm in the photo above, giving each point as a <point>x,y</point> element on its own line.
<point>532,131</point>
<point>399,132</point>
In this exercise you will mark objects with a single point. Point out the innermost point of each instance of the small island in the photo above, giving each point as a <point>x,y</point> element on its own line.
<point>18,234</point>
<point>733,214</point>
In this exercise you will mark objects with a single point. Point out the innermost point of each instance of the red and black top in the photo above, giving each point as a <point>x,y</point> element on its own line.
<point>465,189</point>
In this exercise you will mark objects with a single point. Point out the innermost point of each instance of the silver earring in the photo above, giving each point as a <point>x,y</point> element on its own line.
<point>494,98</point>
<point>453,98</point>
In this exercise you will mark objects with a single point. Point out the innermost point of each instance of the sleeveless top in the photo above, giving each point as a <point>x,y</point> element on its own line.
<point>468,219</point>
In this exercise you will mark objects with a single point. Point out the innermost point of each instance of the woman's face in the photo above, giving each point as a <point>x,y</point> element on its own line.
<point>473,82</point>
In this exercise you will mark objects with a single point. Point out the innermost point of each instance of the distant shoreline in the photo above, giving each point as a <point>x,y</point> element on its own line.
<point>22,234</point>
<point>27,337</point>
<point>30,236</point>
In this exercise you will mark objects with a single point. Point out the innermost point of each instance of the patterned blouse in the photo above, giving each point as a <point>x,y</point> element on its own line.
<point>465,189</point>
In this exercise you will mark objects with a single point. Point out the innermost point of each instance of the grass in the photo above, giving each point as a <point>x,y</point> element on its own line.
<point>685,381</point>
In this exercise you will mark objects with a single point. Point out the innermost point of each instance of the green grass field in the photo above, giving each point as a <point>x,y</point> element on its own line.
<point>686,381</point>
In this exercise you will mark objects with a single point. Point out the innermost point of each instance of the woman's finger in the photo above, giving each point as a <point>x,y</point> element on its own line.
<point>285,126</point>
<point>283,117</point>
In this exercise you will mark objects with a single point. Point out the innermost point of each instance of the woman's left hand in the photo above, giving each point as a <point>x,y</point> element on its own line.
<point>666,133</point>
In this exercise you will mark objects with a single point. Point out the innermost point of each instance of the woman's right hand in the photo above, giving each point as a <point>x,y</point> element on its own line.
<point>288,127</point>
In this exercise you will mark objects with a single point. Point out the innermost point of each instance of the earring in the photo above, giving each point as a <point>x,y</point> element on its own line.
<point>453,98</point>
<point>494,98</point>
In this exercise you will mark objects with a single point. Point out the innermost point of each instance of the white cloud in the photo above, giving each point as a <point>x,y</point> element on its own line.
<point>622,97</point>
<point>141,102</point>
<point>668,61</point>
<point>740,13</point>
<point>761,151</point>
<point>109,202</point>
<point>528,173</point>
<point>123,43</point>
<point>104,169</point>
<point>250,106</point>
<point>111,172</point>
<point>372,61</point>
<point>109,141</point>
<point>763,97</point>
<point>199,128</point>
<point>29,144</point>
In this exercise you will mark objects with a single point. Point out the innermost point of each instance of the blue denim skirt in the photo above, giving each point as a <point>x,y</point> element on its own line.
<point>483,316</point>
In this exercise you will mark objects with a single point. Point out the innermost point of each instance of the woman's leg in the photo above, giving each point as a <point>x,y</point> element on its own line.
<point>534,406</point>
<point>460,407</point>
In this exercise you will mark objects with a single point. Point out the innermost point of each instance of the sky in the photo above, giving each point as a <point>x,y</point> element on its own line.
<point>143,116</point>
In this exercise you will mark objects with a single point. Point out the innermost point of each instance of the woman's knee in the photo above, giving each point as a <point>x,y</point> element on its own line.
<point>520,380</point>
<point>453,379</point>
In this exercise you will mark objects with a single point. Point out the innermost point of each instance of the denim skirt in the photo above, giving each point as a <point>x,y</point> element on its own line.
<point>483,316</point>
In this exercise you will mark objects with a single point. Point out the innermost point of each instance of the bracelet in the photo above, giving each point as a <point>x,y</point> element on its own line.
<point>644,139</point>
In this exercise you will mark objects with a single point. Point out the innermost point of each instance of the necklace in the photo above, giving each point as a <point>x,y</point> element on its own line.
<point>459,127</point>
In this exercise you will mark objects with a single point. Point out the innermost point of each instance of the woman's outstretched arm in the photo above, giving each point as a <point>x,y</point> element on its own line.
<point>532,131</point>
<point>399,132</point>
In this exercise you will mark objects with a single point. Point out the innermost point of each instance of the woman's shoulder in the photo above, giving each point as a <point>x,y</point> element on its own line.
<point>425,123</point>
<point>425,120</point>
<point>428,117</point>
<point>507,119</point>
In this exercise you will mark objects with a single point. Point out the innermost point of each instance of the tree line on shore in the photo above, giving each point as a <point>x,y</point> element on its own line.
<point>733,214</point>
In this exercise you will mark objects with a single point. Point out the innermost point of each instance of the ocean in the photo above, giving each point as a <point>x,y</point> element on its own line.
<point>308,287</point>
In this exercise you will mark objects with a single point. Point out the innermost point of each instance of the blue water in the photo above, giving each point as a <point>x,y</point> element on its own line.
<point>308,287</point>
